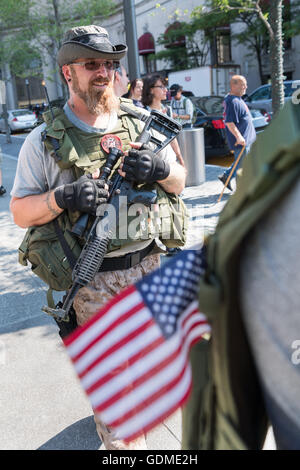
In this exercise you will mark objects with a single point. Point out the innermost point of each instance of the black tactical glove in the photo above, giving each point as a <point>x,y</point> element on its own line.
<point>83,195</point>
<point>143,166</point>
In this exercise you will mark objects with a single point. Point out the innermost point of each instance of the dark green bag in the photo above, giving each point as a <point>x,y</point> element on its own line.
<point>43,249</point>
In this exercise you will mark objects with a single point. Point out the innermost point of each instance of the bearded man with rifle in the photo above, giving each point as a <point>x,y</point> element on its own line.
<point>58,179</point>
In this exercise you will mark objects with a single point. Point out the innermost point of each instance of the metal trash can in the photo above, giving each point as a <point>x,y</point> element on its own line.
<point>191,143</point>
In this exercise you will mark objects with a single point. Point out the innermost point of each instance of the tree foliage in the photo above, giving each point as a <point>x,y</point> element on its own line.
<point>184,46</point>
<point>29,28</point>
<point>264,29</point>
<point>269,13</point>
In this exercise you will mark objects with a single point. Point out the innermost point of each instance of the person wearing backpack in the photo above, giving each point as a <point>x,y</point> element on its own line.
<point>57,179</point>
<point>247,376</point>
<point>182,107</point>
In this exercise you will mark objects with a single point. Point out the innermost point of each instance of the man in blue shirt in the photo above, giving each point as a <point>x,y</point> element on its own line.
<point>240,130</point>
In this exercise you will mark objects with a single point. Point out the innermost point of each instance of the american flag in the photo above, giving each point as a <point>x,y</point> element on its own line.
<point>132,356</point>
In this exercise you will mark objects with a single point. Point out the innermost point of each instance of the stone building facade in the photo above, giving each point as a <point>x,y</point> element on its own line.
<point>152,20</point>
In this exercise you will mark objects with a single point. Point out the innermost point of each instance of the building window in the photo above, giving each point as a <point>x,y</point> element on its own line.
<point>173,36</point>
<point>223,46</point>
<point>220,45</point>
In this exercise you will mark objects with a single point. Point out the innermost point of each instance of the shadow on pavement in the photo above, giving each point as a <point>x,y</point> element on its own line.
<point>81,435</point>
<point>211,200</point>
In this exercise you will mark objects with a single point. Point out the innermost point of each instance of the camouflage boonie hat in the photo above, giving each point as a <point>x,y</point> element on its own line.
<point>89,42</point>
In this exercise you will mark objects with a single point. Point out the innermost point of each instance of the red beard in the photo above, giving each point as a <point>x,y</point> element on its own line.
<point>97,101</point>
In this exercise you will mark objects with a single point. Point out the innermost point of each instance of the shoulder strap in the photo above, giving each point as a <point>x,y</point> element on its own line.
<point>132,117</point>
<point>169,110</point>
<point>127,107</point>
<point>67,250</point>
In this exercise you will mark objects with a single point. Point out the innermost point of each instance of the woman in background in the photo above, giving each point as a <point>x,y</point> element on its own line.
<point>135,92</point>
<point>154,92</point>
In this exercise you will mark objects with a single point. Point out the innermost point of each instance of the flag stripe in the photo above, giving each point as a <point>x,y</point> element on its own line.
<point>130,374</point>
<point>111,337</point>
<point>106,370</point>
<point>129,351</point>
<point>122,335</point>
<point>141,387</point>
<point>157,380</point>
<point>162,391</point>
<point>143,397</point>
<point>107,328</point>
<point>138,356</point>
<point>97,323</point>
<point>145,427</point>
<point>159,409</point>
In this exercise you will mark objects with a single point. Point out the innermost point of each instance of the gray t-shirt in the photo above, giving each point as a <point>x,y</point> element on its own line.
<point>37,172</point>
<point>270,296</point>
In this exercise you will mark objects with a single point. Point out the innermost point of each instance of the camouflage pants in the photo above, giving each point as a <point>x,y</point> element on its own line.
<point>106,285</point>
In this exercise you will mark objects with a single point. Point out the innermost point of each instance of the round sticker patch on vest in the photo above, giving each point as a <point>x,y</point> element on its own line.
<point>109,141</point>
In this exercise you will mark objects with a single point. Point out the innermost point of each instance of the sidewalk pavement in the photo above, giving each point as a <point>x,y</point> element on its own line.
<point>42,403</point>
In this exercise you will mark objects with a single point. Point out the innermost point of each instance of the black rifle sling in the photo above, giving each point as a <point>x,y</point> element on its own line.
<point>67,250</point>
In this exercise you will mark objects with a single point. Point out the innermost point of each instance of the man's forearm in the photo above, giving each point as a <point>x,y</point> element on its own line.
<point>184,117</point>
<point>32,210</point>
<point>175,183</point>
<point>234,130</point>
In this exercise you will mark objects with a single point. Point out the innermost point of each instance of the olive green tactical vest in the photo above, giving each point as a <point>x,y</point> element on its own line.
<point>226,408</point>
<point>82,151</point>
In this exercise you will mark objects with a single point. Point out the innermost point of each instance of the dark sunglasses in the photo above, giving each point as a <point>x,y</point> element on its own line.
<point>93,65</point>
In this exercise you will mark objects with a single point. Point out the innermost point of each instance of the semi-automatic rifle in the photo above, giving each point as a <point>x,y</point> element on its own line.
<point>98,237</point>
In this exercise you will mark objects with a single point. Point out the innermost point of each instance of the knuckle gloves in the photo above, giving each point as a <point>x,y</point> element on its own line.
<point>84,195</point>
<point>143,166</point>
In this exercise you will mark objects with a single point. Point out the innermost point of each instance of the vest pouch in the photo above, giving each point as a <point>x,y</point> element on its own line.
<point>138,230</point>
<point>135,228</point>
<point>174,219</point>
<point>166,220</point>
<point>42,248</point>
